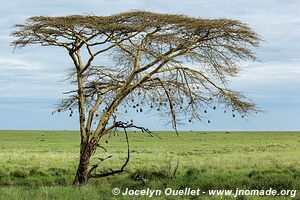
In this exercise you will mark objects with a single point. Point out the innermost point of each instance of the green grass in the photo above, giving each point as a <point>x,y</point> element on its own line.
<point>41,164</point>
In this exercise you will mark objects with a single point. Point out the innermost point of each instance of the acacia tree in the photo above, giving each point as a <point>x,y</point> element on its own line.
<point>173,64</point>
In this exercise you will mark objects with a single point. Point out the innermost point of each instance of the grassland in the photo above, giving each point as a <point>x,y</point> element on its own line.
<point>41,164</point>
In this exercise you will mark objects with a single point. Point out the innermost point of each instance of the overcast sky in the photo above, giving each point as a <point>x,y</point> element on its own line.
<point>31,79</point>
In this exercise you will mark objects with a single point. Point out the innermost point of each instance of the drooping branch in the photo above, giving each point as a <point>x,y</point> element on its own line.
<point>92,172</point>
<point>171,103</point>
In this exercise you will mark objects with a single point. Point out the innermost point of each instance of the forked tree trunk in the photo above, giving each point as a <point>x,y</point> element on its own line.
<point>81,177</point>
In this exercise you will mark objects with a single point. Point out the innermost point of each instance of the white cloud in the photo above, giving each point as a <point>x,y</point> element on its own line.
<point>271,73</point>
<point>15,63</point>
<point>25,77</point>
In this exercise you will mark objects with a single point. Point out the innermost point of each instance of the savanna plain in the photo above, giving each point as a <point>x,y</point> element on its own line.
<point>42,164</point>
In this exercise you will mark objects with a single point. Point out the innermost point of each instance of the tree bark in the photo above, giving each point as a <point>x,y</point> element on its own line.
<point>81,177</point>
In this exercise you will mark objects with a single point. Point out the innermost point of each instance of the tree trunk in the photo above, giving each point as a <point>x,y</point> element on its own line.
<point>81,177</point>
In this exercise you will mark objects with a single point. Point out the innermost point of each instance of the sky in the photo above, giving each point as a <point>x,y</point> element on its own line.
<point>32,79</point>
